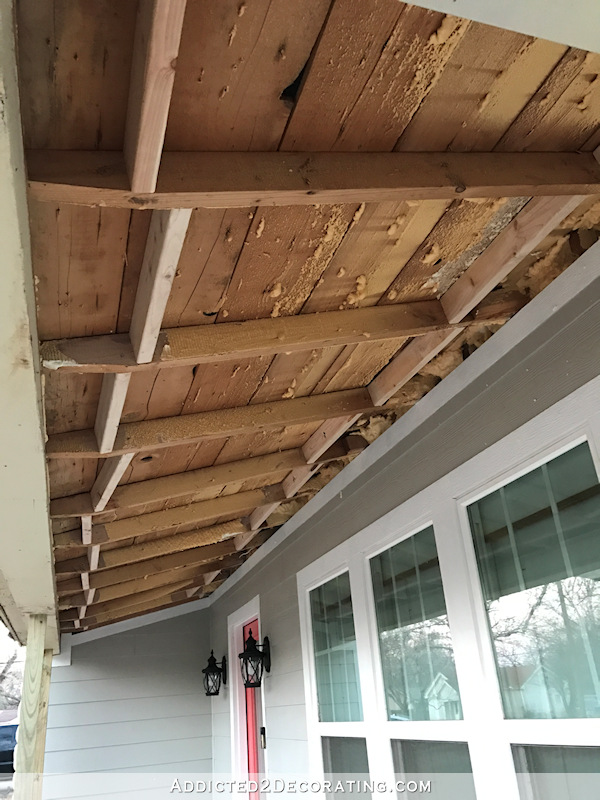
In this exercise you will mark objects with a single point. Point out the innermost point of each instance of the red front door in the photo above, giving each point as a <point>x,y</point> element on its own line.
<point>251,718</point>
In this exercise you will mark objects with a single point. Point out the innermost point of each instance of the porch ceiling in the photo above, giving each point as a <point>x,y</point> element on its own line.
<point>222,335</point>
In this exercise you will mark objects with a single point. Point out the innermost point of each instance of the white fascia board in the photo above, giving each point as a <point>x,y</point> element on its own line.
<point>576,280</point>
<point>575,23</point>
<point>26,563</point>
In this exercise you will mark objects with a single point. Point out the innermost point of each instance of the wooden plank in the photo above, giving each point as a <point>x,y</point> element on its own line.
<point>183,517</point>
<point>189,573</point>
<point>216,180</point>
<point>539,217</point>
<point>86,530</point>
<point>161,256</point>
<point>326,435</point>
<point>208,344</point>
<point>142,569</point>
<point>160,433</point>
<point>126,613</point>
<point>27,756</point>
<point>407,363</point>
<point>135,599</point>
<point>210,540</point>
<point>108,478</point>
<point>110,406</point>
<point>187,484</point>
<point>42,720</point>
<point>157,36</point>
<point>255,520</point>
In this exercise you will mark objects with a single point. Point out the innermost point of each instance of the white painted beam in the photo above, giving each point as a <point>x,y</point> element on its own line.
<point>26,579</point>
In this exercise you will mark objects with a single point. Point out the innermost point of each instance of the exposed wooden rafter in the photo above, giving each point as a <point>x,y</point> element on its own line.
<point>156,47</point>
<point>188,486</point>
<point>166,432</point>
<point>227,180</point>
<point>206,344</point>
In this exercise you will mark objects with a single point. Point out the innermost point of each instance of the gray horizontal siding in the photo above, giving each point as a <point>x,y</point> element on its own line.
<point>548,351</point>
<point>131,703</point>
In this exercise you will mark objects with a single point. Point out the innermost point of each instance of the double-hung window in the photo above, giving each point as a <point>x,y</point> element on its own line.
<point>455,643</point>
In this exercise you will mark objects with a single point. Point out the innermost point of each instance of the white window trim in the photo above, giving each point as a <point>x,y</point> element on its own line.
<point>570,422</point>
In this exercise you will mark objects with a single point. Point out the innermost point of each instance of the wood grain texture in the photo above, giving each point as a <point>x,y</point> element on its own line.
<point>110,406</point>
<point>158,32</point>
<point>161,256</point>
<point>249,339</point>
<point>517,240</point>
<point>192,180</point>
<point>108,478</point>
<point>407,364</point>
<point>186,486</point>
<point>27,755</point>
<point>184,517</point>
<point>157,434</point>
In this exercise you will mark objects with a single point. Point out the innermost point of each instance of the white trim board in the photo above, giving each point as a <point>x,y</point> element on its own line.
<point>443,505</point>
<point>26,570</point>
<point>576,23</point>
<point>576,281</point>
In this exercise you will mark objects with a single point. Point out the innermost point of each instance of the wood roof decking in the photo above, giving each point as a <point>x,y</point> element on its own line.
<point>252,412</point>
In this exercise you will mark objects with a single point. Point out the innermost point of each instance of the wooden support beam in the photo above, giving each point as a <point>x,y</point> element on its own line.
<point>325,436</point>
<point>170,431</point>
<point>156,46</point>
<point>227,341</point>
<point>86,530</point>
<point>185,485</point>
<point>531,225</point>
<point>181,518</point>
<point>192,573</point>
<point>29,754</point>
<point>522,235</point>
<point>412,358</point>
<point>157,593</point>
<point>108,478</point>
<point>110,407</point>
<point>127,613</point>
<point>290,486</point>
<point>42,720</point>
<point>188,487</point>
<point>204,538</point>
<point>161,256</point>
<point>227,180</point>
<point>142,569</point>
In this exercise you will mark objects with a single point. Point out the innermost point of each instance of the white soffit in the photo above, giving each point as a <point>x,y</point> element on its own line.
<point>26,573</point>
<point>576,23</point>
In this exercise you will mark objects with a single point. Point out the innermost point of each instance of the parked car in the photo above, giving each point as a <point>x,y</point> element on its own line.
<point>8,739</point>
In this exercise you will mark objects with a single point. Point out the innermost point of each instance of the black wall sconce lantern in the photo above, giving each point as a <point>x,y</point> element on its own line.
<point>255,658</point>
<point>214,673</point>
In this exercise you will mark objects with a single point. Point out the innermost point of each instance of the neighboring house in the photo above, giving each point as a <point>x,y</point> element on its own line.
<point>443,700</point>
<point>300,311</point>
<point>532,692</point>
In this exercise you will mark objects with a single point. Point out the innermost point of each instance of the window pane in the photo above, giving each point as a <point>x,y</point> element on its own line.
<point>446,764</point>
<point>557,773</point>
<point>537,542</point>
<point>345,755</point>
<point>417,658</point>
<point>345,758</point>
<point>336,667</point>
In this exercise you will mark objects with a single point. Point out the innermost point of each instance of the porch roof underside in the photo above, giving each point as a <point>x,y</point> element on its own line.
<point>179,442</point>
